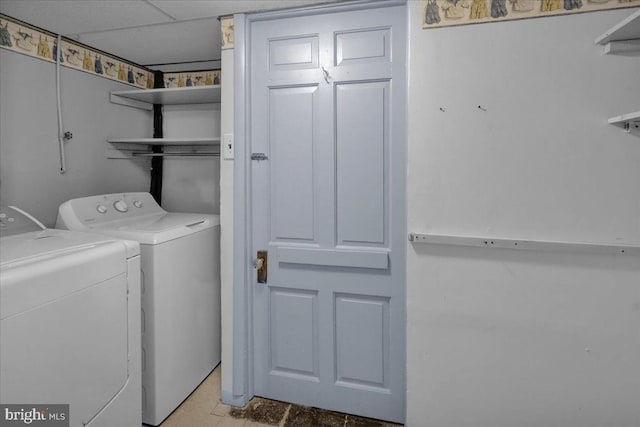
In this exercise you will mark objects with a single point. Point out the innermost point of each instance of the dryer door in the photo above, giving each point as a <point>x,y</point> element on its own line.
<point>72,350</point>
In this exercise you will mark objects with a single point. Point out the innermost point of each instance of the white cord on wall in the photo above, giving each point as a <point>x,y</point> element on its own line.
<point>32,218</point>
<point>63,167</point>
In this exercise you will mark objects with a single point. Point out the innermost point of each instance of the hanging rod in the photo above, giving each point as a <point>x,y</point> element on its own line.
<point>524,244</point>
<point>176,154</point>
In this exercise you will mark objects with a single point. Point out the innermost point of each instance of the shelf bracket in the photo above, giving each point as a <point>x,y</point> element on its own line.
<point>525,244</point>
<point>632,127</point>
<point>115,99</point>
<point>622,47</point>
<point>119,150</point>
<point>630,123</point>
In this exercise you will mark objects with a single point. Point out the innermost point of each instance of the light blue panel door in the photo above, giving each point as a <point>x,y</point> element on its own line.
<point>328,95</point>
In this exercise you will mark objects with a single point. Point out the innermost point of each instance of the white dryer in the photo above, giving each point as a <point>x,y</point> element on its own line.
<point>180,289</point>
<point>69,321</point>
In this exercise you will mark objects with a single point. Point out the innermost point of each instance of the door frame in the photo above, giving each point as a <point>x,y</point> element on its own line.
<point>242,308</point>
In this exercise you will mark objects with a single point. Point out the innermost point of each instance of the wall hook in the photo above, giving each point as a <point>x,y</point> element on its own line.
<point>483,109</point>
<point>442,109</point>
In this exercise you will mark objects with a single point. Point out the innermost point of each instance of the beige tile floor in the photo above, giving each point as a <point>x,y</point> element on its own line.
<point>204,409</point>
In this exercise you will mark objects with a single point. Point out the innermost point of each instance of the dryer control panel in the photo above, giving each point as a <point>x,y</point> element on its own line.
<point>85,212</point>
<point>14,221</point>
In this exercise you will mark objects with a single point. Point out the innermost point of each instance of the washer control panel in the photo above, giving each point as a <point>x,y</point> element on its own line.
<point>109,207</point>
<point>121,205</point>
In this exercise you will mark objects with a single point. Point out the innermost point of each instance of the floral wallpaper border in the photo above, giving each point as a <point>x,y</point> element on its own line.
<point>444,13</point>
<point>26,39</point>
<point>226,28</point>
<point>20,37</point>
<point>192,78</point>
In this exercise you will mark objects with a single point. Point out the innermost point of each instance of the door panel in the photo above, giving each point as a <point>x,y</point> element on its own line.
<point>328,101</point>
<point>291,128</point>
<point>362,328</point>
<point>294,53</point>
<point>294,346</point>
<point>362,125</point>
<point>363,47</point>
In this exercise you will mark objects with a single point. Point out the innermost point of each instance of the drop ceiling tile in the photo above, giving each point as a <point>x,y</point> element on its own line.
<point>72,17</point>
<point>182,10</point>
<point>190,9</point>
<point>176,42</point>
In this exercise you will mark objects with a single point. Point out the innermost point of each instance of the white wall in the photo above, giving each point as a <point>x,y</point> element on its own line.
<point>505,338</point>
<point>29,161</point>
<point>191,184</point>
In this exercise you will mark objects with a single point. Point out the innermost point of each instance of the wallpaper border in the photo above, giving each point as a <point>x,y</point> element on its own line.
<point>24,38</point>
<point>446,13</point>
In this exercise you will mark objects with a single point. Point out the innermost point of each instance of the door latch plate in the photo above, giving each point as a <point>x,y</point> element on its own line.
<point>259,156</point>
<point>260,264</point>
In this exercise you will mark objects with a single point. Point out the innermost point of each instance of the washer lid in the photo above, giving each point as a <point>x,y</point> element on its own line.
<point>43,266</point>
<point>50,243</point>
<point>158,228</point>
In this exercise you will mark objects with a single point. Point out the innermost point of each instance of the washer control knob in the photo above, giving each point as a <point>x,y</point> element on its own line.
<point>121,206</point>
<point>102,209</point>
<point>137,203</point>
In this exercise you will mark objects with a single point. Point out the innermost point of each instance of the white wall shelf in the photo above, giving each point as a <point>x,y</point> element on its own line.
<point>524,244</point>
<point>126,148</point>
<point>623,38</point>
<point>629,122</point>
<point>145,98</point>
<point>208,141</point>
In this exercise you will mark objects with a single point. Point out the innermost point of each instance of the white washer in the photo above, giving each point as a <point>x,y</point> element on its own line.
<point>180,290</point>
<point>69,321</point>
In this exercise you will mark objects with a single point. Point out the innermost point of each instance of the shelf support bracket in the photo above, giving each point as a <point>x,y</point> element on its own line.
<point>115,99</point>
<point>121,150</point>
<point>622,47</point>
